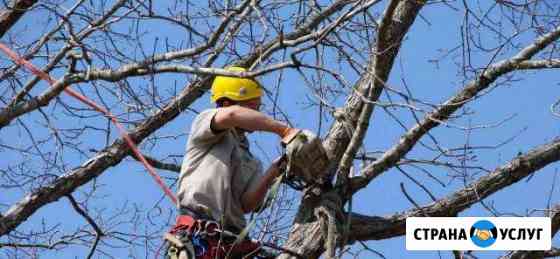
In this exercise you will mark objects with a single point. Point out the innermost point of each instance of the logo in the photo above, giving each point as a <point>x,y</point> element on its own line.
<point>472,233</point>
<point>483,233</point>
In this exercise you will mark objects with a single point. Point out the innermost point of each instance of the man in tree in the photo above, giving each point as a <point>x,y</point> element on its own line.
<point>220,179</point>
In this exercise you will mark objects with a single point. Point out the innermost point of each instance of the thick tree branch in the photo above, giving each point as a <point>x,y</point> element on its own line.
<point>554,252</point>
<point>308,223</point>
<point>539,64</point>
<point>377,75</point>
<point>398,20</point>
<point>555,219</point>
<point>386,50</point>
<point>376,228</point>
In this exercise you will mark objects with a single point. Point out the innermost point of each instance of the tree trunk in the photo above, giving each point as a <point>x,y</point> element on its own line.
<point>316,228</point>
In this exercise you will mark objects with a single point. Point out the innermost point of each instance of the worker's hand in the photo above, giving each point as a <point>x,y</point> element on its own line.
<point>288,135</point>
<point>252,199</point>
<point>280,161</point>
<point>275,169</point>
<point>276,166</point>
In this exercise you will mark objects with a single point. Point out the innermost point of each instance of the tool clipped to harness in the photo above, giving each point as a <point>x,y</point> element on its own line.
<point>179,248</point>
<point>306,160</point>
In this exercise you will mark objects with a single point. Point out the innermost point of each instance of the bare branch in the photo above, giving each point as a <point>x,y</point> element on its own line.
<point>432,120</point>
<point>375,228</point>
<point>84,215</point>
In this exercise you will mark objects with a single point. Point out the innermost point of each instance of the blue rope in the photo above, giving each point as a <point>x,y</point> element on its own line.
<point>200,245</point>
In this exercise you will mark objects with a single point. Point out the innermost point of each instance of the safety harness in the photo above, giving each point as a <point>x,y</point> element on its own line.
<point>205,239</point>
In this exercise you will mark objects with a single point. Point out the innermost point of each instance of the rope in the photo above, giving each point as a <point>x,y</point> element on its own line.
<point>124,134</point>
<point>328,221</point>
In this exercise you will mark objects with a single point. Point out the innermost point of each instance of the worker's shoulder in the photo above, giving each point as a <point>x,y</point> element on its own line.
<point>207,112</point>
<point>205,116</point>
<point>202,131</point>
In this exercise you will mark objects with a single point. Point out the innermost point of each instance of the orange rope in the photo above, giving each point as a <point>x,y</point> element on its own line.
<point>21,61</point>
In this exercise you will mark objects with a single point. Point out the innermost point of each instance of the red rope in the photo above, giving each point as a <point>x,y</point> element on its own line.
<point>159,249</point>
<point>21,61</point>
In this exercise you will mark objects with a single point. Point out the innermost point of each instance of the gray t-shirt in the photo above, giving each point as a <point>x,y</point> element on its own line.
<point>217,169</point>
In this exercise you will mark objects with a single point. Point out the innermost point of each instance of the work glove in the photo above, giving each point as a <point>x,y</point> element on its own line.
<point>306,158</point>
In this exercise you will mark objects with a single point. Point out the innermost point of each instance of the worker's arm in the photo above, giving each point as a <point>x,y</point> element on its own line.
<point>236,116</point>
<point>252,199</point>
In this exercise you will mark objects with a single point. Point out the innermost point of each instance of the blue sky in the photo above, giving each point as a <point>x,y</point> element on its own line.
<point>528,100</point>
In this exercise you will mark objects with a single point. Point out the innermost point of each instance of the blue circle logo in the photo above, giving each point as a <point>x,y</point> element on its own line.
<point>483,233</point>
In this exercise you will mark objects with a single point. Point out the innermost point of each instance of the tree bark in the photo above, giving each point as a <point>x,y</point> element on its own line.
<point>11,15</point>
<point>307,237</point>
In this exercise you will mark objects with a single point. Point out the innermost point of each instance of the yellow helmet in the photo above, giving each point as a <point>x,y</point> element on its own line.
<point>235,88</point>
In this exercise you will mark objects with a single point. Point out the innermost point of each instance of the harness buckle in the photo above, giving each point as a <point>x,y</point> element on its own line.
<point>212,228</point>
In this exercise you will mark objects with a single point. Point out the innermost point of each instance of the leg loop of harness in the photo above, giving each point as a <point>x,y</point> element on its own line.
<point>205,239</point>
<point>179,248</point>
